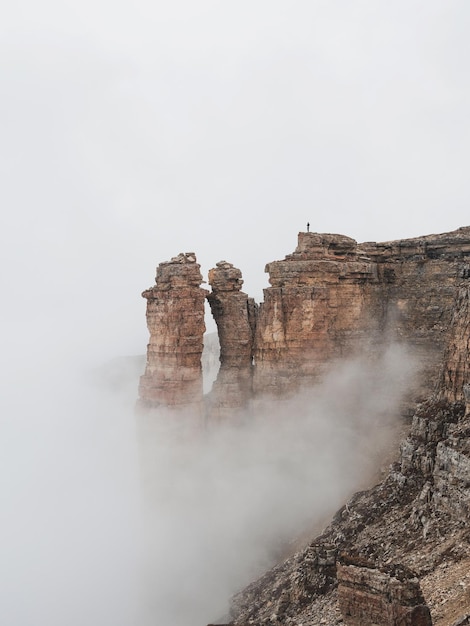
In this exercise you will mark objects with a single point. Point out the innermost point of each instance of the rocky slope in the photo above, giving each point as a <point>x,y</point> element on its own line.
<point>416,519</point>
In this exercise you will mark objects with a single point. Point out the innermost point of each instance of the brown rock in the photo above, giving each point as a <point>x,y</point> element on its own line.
<point>329,299</point>
<point>371,596</point>
<point>333,297</point>
<point>175,319</point>
<point>235,316</point>
<point>455,380</point>
<point>318,304</point>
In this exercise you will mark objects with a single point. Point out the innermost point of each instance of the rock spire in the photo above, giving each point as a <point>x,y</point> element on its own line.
<point>235,315</point>
<point>175,319</point>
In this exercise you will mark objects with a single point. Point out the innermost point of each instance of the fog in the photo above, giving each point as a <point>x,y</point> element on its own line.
<point>242,496</point>
<point>135,131</point>
<point>113,519</point>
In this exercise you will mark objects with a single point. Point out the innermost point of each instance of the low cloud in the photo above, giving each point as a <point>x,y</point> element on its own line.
<point>223,504</point>
<point>116,520</point>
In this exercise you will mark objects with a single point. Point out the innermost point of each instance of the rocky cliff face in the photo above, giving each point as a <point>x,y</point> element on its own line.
<point>175,319</point>
<point>333,297</point>
<point>415,521</point>
<point>318,303</point>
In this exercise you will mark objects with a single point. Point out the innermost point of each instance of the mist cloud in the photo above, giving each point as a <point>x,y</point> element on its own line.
<point>224,504</point>
<point>115,520</point>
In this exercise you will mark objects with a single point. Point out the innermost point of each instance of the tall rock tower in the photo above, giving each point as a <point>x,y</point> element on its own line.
<point>175,319</point>
<point>235,315</point>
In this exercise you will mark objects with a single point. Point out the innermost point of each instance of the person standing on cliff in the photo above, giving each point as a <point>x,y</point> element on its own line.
<point>308,227</point>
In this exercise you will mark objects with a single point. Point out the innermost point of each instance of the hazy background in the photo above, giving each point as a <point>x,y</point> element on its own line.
<point>130,132</point>
<point>133,131</point>
<point>110,520</point>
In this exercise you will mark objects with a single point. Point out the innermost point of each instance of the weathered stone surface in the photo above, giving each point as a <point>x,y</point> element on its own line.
<point>287,590</point>
<point>175,319</point>
<point>235,315</point>
<point>326,299</point>
<point>387,596</point>
<point>318,304</point>
<point>417,516</point>
<point>455,383</point>
<point>438,448</point>
<point>332,297</point>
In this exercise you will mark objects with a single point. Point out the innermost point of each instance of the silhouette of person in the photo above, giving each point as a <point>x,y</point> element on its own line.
<point>308,227</point>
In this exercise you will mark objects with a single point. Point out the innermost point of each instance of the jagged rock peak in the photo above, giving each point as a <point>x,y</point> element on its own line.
<point>182,271</point>
<point>184,257</point>
<point>225,277</point>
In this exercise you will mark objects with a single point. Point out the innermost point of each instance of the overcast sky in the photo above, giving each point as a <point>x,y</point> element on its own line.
<point>133,131</point>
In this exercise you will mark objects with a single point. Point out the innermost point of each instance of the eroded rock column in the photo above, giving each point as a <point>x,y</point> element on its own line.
<point>175,319</point>
<point>235,315</point>
<point>318,308</point>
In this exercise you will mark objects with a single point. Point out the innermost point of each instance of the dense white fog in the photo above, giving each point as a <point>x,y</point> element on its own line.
<point>70,503</point>
<point>110,519</point>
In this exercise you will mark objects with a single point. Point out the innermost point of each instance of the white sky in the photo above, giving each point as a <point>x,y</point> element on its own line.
<point>133,131</point>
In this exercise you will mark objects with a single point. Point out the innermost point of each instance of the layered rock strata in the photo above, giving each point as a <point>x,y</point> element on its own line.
<point>333,297</point>
<point>318,304</point>
<point>389,596</point>
<point>416,518</point>
<point>175,319</point>
<point>235,315</point>
<point>454,386</point>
